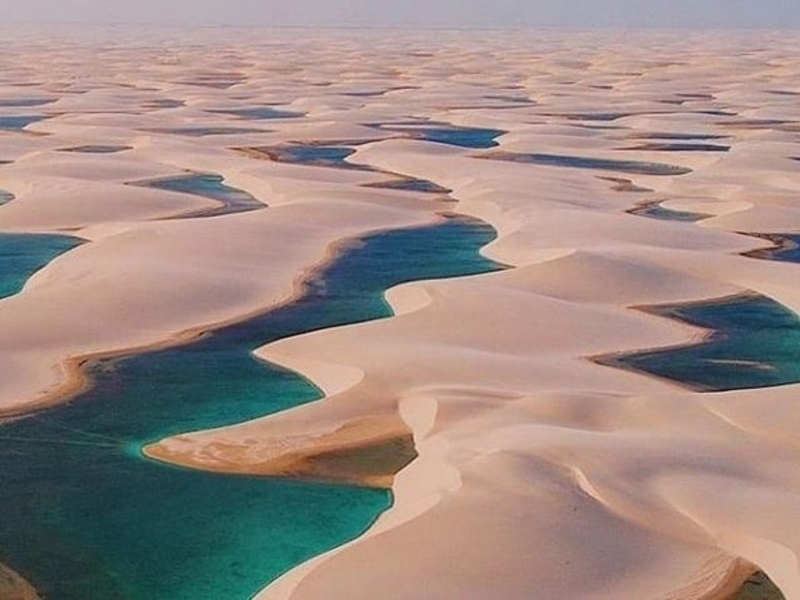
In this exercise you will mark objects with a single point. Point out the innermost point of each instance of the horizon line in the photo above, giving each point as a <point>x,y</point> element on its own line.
<point>412,26</point>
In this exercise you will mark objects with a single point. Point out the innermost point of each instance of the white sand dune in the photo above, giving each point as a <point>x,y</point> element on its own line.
<point>540,472</point>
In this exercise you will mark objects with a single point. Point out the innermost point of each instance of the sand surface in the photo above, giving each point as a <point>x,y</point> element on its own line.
<point>541,474</point>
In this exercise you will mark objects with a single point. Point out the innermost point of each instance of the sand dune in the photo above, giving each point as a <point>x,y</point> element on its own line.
<point>540,472</point>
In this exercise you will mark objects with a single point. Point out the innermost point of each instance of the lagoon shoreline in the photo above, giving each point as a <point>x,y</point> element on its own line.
<point>539,471</point>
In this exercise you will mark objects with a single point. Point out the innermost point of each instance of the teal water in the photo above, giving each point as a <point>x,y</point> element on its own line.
<point>21,255</point>
<point>209,186</point>
<point>5,197</point>
<point>85,517</point>
<point>602,164</point>
<point>756,344</point>
<point>452,135</point>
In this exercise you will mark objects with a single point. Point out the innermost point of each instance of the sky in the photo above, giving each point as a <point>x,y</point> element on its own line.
<point>414,13</point>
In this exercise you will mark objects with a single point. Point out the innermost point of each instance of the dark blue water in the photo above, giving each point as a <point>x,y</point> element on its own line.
<point>209,186</point>
<point>681,147</point>
<point>260,113</point>
<point>680,136</point>
<point>21,255</point>
<point>787,248</point>
<point>656,211</point>
<point>206,131</point>
<point>377,93</point>
<point>85,517</point>
<point>602,164</point>
<point>316,155</point>
<point>26,102</point>
<point>18,123</point>
<point>717,113</point>
<point>756,344</point>
<point>512,99</point>
<point>96,149</point>
<point>334,157</point>
<point>409,184</point>
<point>598,116</point>
<point>166,103</point>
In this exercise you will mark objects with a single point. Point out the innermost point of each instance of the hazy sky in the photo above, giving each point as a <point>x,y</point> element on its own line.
<point>436,13</point>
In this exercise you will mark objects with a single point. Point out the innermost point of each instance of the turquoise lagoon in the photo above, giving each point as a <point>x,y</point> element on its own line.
<point>755,343</point>
<point>754,340</point>
<point>86,516</point>
<point>452,135</point>
<point>21,255</point>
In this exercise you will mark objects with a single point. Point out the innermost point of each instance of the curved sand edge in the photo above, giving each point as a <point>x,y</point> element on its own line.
<point>76,380</point>
<point>14,587</point>
<point>516,410</point>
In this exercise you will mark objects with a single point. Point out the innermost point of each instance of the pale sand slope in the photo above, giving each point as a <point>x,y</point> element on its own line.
<point>541,474</point>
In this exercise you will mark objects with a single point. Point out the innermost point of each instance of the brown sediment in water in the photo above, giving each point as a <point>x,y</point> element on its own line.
<point>624,185</point>
<point>757,586</point>
<point>261,153</point>
<point>366,452</point>
<point>277,153</point>
<point>642,208</point>
<point>779,242</point>
<point>14,587</point>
